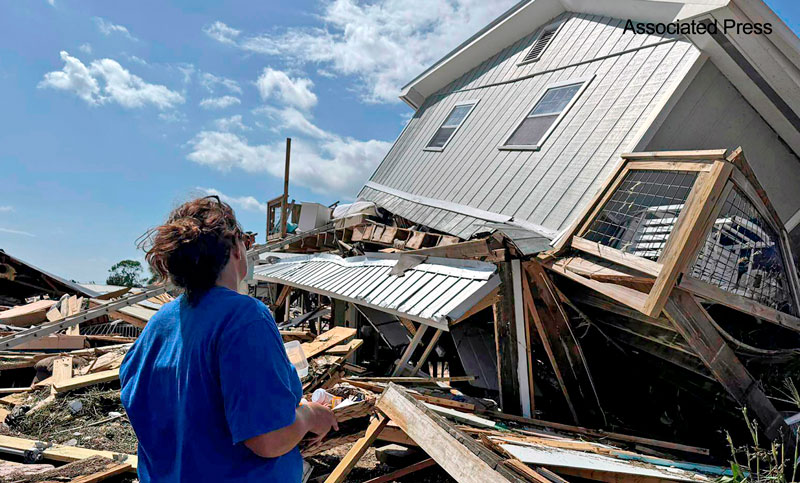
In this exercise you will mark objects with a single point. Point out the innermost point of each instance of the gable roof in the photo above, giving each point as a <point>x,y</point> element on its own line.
<point>764,68</point>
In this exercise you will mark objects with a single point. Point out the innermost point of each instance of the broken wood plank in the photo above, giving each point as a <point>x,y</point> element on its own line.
<point>389,477</point>
<point>357,451</point>
<point>695,324</point>
<point>562,346</point>
<point>427,352</point>
<point>113,469</point>
<point>28,314</point>
<point>326,340</point>
<point>63,453</point>
<point>463,458</point>
<point>412,346</point>
<point>87,380</point>
<point>62,370</point>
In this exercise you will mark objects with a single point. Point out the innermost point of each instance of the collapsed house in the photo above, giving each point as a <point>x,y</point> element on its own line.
<point>564,267</point>
<point>641,272</point>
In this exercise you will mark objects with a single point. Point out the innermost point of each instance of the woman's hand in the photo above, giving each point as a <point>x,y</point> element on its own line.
<point>309,418</point>
<point>319,420</point>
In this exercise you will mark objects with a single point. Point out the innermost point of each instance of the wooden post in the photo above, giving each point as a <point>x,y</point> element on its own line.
<point>505,336</point>
<point>412,346</point>
<point>695,325</point>
<point>428,349</point>
<point>285,199</point>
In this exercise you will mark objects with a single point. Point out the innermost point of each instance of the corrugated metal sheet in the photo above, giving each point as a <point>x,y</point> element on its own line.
<point>433,292</point>
<point>547,187</point>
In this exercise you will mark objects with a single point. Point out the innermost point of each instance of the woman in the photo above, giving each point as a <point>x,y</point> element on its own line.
<point>208,387</point>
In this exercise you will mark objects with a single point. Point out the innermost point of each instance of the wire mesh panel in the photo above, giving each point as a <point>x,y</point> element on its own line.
<point>742,255</point>
<point>641,213</point>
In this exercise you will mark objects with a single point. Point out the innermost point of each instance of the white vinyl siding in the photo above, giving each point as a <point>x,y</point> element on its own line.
<point>545,115</point>
<point>450,125</point>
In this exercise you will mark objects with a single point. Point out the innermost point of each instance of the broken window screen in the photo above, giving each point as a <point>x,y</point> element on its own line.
<point>536,124</point>
<point>742,255</point>
<point>449,126</point>
<point>640,215</point>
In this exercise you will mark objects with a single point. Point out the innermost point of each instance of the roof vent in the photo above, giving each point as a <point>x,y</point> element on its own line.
<point>541,43</point>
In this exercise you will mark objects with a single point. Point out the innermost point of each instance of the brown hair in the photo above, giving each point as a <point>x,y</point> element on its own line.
<point>194,245</point>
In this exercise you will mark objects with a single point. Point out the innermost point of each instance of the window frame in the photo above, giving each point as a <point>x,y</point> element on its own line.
<point>557,28</point>
<point>469,102</point>
<point>584,81</point>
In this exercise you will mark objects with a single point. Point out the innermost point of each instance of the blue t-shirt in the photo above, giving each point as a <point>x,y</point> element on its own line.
<point>202,379</point>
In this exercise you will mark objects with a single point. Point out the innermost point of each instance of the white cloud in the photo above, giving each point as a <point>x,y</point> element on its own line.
<point>6,209</point>
<point>292,119</point>
<point>52,3</point>
<point>107,28</point>
<point>336,167</point>
<point>75,77</point>
<point>210,81</point>
<point>229,124</point>
<point>222,33</point>
<point>294,92</point>
<point>118,84</point>
<point>16,232</point>
<point>248,203</point>
<point>383,43</point>
<point>219,102</point>
<point>137,60</point>
<point>86,48</point>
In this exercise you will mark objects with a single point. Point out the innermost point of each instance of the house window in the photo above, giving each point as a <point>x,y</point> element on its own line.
<point>542,41</point>
<point>450,125</point>
<point>545,115</point>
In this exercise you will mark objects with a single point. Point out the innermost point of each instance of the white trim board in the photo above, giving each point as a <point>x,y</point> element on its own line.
<point>462,209</point>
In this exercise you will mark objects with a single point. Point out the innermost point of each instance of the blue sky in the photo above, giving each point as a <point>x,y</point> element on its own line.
<point>114,112</point>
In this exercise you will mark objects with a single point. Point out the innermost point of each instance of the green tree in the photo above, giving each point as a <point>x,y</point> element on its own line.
<point>127,273</point>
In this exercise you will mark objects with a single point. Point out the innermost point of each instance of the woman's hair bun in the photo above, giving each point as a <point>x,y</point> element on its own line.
<point>193,246</point>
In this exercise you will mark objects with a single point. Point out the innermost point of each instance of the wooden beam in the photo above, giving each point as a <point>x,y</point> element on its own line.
<point>483,247</point>
<point>463,458</point>
<point>63,453</point>
<point>389,477</point>
<point>688,235</point>
<point>357,451</point>
<point>326,340</point>
<point>694,323</point>
<point>412,346</point>
<point>285,197</point>
<point>702,154</point>
<point>712,293</point>
<point>112,469</point>
<point>561,345</point>
<point>505,334</point>
<point>428,349</point>
<point>87,380</point>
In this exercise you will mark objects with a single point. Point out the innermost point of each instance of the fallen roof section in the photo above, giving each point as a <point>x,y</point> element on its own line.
<point>432,291</point>
<point>21,279</point>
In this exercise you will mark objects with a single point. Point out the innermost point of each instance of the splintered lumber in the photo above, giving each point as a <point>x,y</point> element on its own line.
<point>326,340</point>
<point>600,434</point>
<point>463,458</point>
<point>413,380</point>
<point>62,342</point>
<point>357,451</point>
<point>505,336</point>
<point>110,470</point>
<point>439,401</point>
<point>58,452</point>
<point>696,326</point>
<point>561,345</point>
<point>87,380</point>
<point>27,315</point>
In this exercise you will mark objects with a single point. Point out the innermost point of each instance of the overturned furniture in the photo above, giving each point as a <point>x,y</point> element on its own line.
<point>685,258</point>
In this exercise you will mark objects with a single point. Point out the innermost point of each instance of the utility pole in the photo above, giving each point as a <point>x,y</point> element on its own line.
<point>285,200</point>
